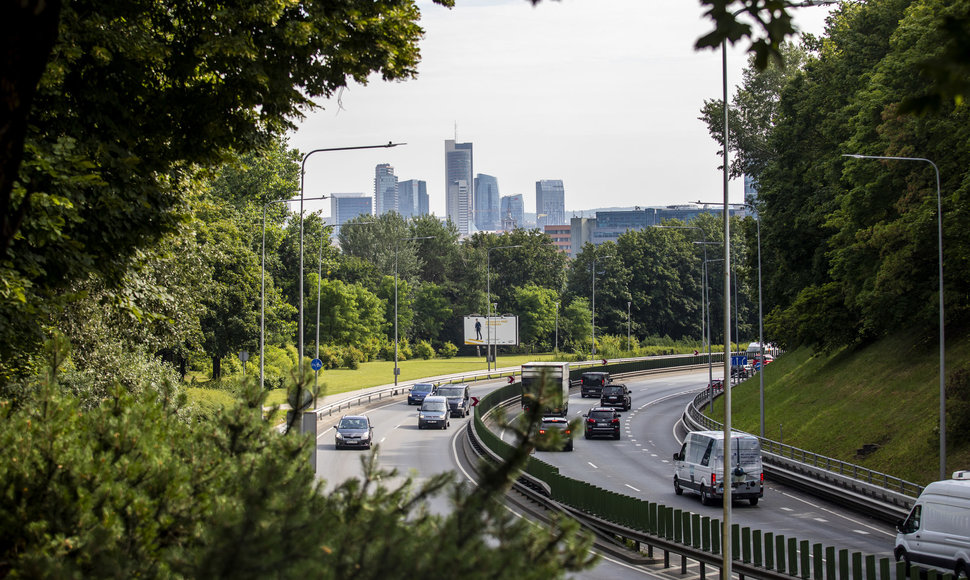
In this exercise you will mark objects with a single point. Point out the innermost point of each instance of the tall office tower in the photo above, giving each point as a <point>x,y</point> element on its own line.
<point>512,210</point>
<point>424,205</point>
<point>346,206</point>
<point>486,203</point>
<point>407,198</point>
<point>550,203</point>
<point>385,189</point>
<point>458,184</point>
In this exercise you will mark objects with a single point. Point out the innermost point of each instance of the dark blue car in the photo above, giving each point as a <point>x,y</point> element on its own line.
<point>418,392</point>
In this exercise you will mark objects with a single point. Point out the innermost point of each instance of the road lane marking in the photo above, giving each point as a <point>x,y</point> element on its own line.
<point>591,465</point>
<point>838,515</point>
<point>631,487</point>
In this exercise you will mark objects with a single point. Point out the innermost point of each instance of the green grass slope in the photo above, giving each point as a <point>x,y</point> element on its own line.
<point>885,394</point>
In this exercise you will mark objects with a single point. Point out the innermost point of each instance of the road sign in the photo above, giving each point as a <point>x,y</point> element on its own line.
<point>739,361</point>
<point>511,380</point>
<point>474,401</point>
<point>604,361</point>
<point>316,364</point>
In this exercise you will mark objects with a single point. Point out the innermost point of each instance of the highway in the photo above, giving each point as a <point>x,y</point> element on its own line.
<point>639,464</point>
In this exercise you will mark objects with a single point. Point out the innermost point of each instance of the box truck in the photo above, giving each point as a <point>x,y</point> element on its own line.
<point>937,531</point>
<point>556,373</point>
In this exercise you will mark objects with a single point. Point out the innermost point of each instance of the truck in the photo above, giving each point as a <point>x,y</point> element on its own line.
<point>556,373</point>
<point>936,532</point>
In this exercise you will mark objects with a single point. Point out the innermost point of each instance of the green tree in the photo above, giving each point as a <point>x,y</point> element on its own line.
<point>432,312</point>
<point>536,309</point>
<point>132,95</point>
<point>131,489</point>
<point>576,325</point>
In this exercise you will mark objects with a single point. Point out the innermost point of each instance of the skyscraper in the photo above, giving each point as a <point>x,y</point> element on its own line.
<point>385,189</point>
<point>513,211</point>
<point>410,196</point>
<point>458,184</point>
<point>346,206</point>
<point>486,203</point>
<point>550,203</point>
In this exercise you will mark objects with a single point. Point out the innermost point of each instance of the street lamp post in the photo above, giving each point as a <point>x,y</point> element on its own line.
<point>628,325</point>
<point>488,287</point>
<point>939,241</point>
<point>555,347</point>
<point>262,289</point>
<point>397,371</point>
<point>319,284</point>
<point>595,258</point>
<point>302,175</point>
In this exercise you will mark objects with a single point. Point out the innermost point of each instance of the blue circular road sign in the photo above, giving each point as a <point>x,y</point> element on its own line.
<point>316,364</point>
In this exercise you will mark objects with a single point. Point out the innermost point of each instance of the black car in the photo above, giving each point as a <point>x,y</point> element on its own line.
<point>354,431</point>
<point>547,427</point>
<point>617,396</point>
<point>602,421</point>
<point>591,384</point>
<point>418,392</point>
<point>457,396</point>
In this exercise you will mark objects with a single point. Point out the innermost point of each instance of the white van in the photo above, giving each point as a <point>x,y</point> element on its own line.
<point>937,531</point>
<point>699,466</point>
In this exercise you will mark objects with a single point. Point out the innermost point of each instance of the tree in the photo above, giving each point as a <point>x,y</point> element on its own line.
<point>432,312</point>
<point>536,308</point>
<point>130,489</point>
<point>575,324</point>
<point>130,97</point>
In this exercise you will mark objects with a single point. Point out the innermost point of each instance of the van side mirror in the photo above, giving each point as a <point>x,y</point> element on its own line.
<point>678,457</point>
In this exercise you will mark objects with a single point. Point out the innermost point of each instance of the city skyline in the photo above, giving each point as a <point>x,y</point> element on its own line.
<point>540,105</point>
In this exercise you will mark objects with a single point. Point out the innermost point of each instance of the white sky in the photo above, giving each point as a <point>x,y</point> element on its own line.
<point>602,94</point>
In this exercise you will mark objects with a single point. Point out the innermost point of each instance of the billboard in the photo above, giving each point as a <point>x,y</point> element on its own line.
<point>504,330</point>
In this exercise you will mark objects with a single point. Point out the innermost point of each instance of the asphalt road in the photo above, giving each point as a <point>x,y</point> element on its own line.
<point>639,464</point>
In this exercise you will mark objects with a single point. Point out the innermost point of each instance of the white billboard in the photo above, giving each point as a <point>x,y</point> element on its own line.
<point>504,330</point>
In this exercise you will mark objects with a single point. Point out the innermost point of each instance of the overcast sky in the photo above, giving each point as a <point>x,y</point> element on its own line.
<point>602,94</point>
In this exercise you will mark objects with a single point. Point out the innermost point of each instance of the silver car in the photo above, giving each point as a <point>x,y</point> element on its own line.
<point>354,431</point>
<point>434,412</point>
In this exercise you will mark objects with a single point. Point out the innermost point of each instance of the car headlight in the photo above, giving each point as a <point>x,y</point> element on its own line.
<point>365,436</point>
<point>339,435</point>
<point>422,416</point>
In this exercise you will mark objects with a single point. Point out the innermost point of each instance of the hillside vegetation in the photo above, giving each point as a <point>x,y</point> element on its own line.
<point>885,394</point>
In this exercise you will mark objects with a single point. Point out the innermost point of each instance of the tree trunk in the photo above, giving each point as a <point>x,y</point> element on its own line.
<point>216,368</point>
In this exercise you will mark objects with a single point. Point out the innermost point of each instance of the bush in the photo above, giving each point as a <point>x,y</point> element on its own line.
<point>353,356</point>
<point>424,350</point>
<point>448,350</point>
<point>331,356</point>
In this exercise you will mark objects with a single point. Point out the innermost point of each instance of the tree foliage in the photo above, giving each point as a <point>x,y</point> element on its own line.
<point>131,489</point>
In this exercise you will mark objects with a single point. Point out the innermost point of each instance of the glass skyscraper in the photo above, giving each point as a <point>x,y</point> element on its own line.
<point>487,203</point>
<point>458,185</point>
<point>550,203</point>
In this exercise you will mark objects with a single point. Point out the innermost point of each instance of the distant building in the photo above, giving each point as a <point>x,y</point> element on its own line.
<point>610,225</point>
<point>458,185</point>
<point>410,194</point>
<point>385,189</point>
<point>512,208</point>
<point>550,202</point>
<point>486,203</point>
<point>561,237</point>
<point>346,206</point>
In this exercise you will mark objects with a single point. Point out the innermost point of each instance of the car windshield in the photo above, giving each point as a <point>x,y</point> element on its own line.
<point>433,406</point>
<point>422,388</point>
<point>600,415</point>
<point>553,422</point>
<point>352,423</point>
<point>450,391</point>
<point>612,390</point>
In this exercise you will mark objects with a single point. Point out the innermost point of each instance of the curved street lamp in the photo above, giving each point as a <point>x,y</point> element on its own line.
<point>302,175</point>
<point>939,241</point>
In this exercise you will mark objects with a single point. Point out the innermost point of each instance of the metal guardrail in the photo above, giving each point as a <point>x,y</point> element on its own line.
<point>879,494</point>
